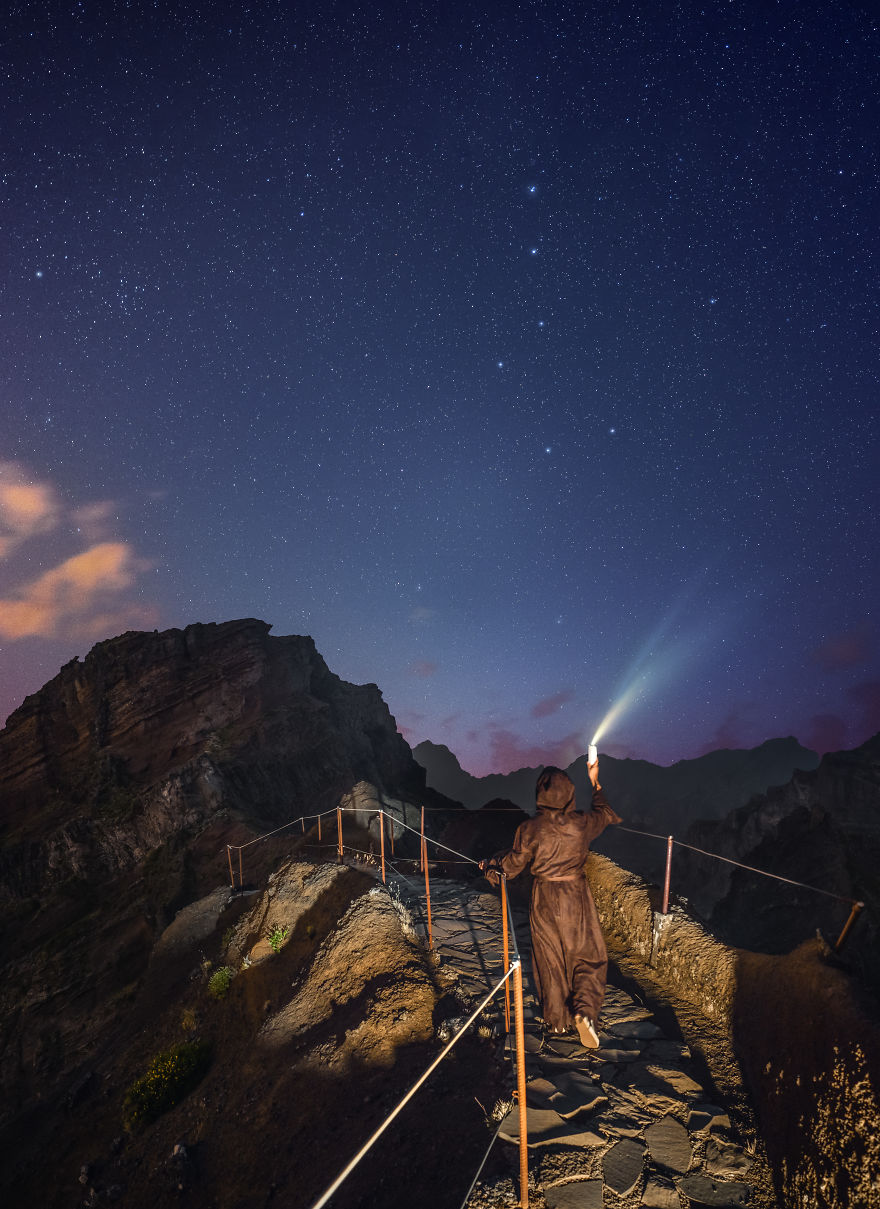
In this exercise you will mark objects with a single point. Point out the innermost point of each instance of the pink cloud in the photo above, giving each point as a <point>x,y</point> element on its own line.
<point>849,649</point>
<point>549,705</point>
<point>27,509</point>
<point>506,750</point>
<point>423,668</point>
<point>78,598</point>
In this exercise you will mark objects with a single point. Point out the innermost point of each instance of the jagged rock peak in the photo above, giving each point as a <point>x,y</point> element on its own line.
<point>143,705</point>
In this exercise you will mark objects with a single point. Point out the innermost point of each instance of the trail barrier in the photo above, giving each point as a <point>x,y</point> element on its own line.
<point>855,905</point>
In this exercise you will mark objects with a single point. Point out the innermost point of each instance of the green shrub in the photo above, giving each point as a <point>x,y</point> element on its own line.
<point>276,937</point>
<point>218,983</point>
<point>170,1076</point>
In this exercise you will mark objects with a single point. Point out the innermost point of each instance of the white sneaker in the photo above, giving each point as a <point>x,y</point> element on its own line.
<point>587,1032</point>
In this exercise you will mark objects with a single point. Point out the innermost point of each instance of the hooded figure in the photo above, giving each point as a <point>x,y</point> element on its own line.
<point>568,949</point>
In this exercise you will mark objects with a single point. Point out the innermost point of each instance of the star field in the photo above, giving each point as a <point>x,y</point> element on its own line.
<point>517,353</point>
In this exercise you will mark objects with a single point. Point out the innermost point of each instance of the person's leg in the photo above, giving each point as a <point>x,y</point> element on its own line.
<point>548,959</point>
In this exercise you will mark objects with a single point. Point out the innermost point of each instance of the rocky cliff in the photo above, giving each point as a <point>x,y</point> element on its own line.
<point>154,734</point>
<point>821,829</point>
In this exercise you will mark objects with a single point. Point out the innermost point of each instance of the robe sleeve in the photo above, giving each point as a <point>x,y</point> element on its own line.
<point>513,860</point>
<point>600,814</point>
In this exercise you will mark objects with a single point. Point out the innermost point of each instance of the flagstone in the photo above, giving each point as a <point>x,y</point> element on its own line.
<point>622,1166</point>
<point>707,1116</point>
<point>703,1190</point>
<point>669,1144</point>
<point>726,1158</point>
<point>545,1127</point>
<point>581,1194</point>
<point>660,1193</point>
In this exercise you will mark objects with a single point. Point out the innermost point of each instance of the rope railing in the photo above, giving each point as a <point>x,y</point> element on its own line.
<point>855,905</point>
<point>382,812</point>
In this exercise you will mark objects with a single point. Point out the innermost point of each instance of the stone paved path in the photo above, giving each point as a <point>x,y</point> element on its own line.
<point>623,1126</point>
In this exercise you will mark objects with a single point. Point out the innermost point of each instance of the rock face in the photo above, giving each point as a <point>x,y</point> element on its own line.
<point>155,733</point>
<point>821,829</point>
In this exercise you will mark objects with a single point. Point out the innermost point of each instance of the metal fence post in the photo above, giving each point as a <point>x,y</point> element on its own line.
<point>521,1086</point>
<point>382,841</point>
<point>240,873</point>
<point>422,843</point>
<point>505,939</point>
<point>847,927</point>
<point>427,892</point>
<point>339,830</point>
<point>665,907</point>
<point>231,874</point>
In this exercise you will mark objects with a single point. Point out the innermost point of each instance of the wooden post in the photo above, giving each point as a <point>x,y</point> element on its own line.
<point>505,938</point>
<point>665,907</point>
<point>427,892</point>
<point>339,831</point>
<point>521,1086</point>
<point>240,874</point>
<point>382,841</point>
<point>231,874</point>
<point>847,927</point>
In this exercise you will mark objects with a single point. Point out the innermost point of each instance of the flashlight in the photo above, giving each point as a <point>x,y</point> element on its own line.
<point>592,754</point>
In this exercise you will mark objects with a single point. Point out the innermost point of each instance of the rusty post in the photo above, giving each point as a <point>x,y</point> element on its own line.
<point>391,832</point>
<point>521,1086</point>
<point>847,927</point>
<point>427,892</point>
<point>231,874</point>
<point>505,939</point>
<point>339,830</point>
<point>302,819</point>
<point>665,908</point>
<point>240,874</point>
<point>319,828</point>
<point>422,843</point>
<point>382,841</point>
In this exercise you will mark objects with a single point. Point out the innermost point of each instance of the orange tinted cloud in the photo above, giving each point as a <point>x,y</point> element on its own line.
<point>70,598</point>
<point>26,509</point>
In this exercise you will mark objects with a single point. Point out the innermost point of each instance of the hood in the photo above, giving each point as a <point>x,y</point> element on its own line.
<point>554,790</point>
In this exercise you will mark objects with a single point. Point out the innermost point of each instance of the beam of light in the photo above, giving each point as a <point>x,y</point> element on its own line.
<point>658,660</point>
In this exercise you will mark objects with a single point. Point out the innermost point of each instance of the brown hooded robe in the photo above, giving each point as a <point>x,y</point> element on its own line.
<point>568,949</point>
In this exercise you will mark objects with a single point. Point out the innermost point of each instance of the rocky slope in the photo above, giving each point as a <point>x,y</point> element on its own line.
<point>121,783</point>
<point>822,829</point>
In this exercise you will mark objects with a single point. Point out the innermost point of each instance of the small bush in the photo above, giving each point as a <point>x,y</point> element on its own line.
<point>170,1076</point>
<point>218,983</point>
<point>277,936</point>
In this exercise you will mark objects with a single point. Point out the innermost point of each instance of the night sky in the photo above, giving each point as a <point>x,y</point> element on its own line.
<point>521,354</point>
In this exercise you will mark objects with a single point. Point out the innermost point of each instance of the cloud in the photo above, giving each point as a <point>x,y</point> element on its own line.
<point>852,648</point>
<point>93,520</point>
<point>86,595</point>
<point>549,705</point>
<point>27,509</point>
<point>826,732</point>
<point>77,598</point>
<point>735,731</point>
<point>506,750</point>
<point>423,668</point>
<point>421,615</point>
